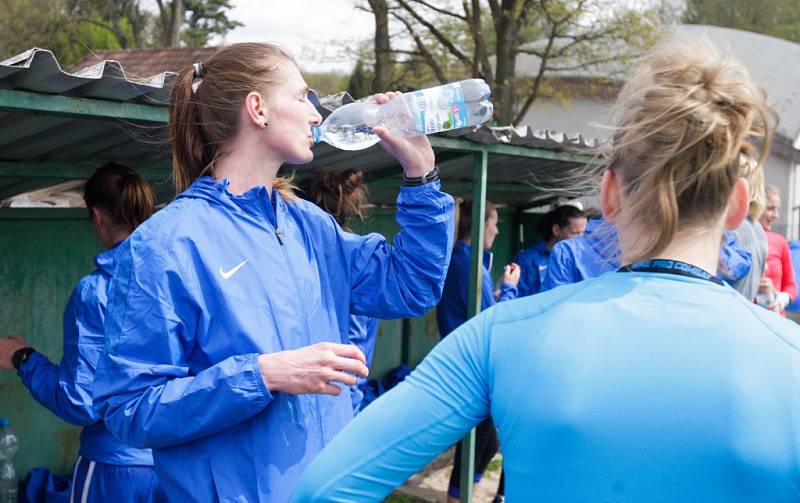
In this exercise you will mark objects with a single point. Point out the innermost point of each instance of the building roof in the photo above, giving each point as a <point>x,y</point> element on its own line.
<point>143,63</point>
<point>773,63</point>
<point>38,70</point>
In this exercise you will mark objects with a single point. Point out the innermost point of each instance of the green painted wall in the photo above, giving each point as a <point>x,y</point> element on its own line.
<point>45,252</point>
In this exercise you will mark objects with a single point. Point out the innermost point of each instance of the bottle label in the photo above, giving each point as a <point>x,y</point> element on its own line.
<point>440,109</point>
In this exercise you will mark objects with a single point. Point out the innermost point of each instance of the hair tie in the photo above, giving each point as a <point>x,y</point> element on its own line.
<point>199,71</point>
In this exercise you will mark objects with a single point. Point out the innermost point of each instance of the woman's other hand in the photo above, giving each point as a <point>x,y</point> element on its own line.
<point>511,274</point>
<point>313,369</point>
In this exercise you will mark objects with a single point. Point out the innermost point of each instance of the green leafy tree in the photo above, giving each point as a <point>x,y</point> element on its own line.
<point>778,18</point>
<point>73,28</point>
<point>69,30</point>
<point>206,19</point>
<point>126,20</point>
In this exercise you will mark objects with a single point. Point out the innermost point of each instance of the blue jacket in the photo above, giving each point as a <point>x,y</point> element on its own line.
<point>451,311</point>
<point>214,280</point>
<point>533,262</point>
<point>66,389</point>
<point>364,334</point>
<point>629,387</point>
<point>597,252</point>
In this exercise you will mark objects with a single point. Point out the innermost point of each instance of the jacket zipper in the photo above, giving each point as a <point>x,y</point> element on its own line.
<point>279,235</point>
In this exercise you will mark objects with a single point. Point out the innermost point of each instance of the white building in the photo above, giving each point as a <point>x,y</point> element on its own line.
<point>773,63</point>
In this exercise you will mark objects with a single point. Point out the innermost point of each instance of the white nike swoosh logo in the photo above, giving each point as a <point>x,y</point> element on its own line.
<point>228,274</point>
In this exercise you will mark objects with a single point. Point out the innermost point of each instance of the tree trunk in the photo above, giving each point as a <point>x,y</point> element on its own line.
<point>176,20</point>
<point>507,30</point>
<point>383,49</point>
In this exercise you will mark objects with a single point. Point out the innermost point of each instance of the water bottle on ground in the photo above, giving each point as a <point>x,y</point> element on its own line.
<point>451,106</point>
<point>8,475</point>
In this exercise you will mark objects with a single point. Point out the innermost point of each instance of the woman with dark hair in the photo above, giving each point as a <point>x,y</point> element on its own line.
<point>225,350</point>
<point>562,223</point>
<point>654,382</point>
<point>107,469</point>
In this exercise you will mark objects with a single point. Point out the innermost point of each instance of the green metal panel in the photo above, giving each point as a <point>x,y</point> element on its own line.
<point>69,171</point>
<point>512,150</point>
<point>529,223</point>
<point>65,106</point>
<point>458,186</point>
<point>506,244</point>
<point>479,178</point>
<point>45,253</point>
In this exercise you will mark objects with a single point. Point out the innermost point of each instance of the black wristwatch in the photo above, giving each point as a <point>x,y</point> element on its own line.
<point>21,356</point>
<point>430,176</point>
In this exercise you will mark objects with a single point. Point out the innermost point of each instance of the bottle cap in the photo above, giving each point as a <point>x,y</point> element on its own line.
<point>316,134</point>
<point>4,423</point>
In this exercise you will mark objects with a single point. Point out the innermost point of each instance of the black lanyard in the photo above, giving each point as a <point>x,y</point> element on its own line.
<point>671,267</point>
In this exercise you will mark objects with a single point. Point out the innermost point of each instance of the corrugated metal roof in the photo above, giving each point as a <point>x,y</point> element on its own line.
<point>38,70</point>
<point>83,141</point>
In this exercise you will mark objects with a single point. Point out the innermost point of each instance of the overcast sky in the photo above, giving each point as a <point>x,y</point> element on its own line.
<point>305,27</point>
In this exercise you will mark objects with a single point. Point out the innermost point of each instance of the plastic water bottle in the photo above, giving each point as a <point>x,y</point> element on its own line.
<point>451,106</point>
<point>766,298</point>
<point>8,475</point>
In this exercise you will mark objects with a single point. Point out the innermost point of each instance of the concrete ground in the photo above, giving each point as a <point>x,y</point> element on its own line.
<point>430,485</point>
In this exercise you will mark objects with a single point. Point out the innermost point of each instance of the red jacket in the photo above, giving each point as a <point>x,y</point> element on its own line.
<point>779,264</point>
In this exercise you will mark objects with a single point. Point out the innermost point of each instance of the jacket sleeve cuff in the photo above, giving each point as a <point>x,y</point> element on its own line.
<point>265,396</point>
<point>417,191</point>
<point>27,370</point>
<point>508,291</point>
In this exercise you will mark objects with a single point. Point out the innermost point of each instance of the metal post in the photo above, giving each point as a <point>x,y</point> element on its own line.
<point>479,176</point>
<point>405,348</point>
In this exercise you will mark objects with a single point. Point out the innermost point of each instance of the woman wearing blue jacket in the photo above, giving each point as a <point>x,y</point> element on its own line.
<point>562,223</point>
<point>654,382</point>
<point>230,312</point>
<point>107,469</point>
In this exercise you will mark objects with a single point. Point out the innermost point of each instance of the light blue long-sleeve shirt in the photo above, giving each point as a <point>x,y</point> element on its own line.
<point>629,387</point>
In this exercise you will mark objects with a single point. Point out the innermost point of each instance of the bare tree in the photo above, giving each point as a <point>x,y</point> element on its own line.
<point>170,15</point>
<point>487,39</point>
<point>383,48</point>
